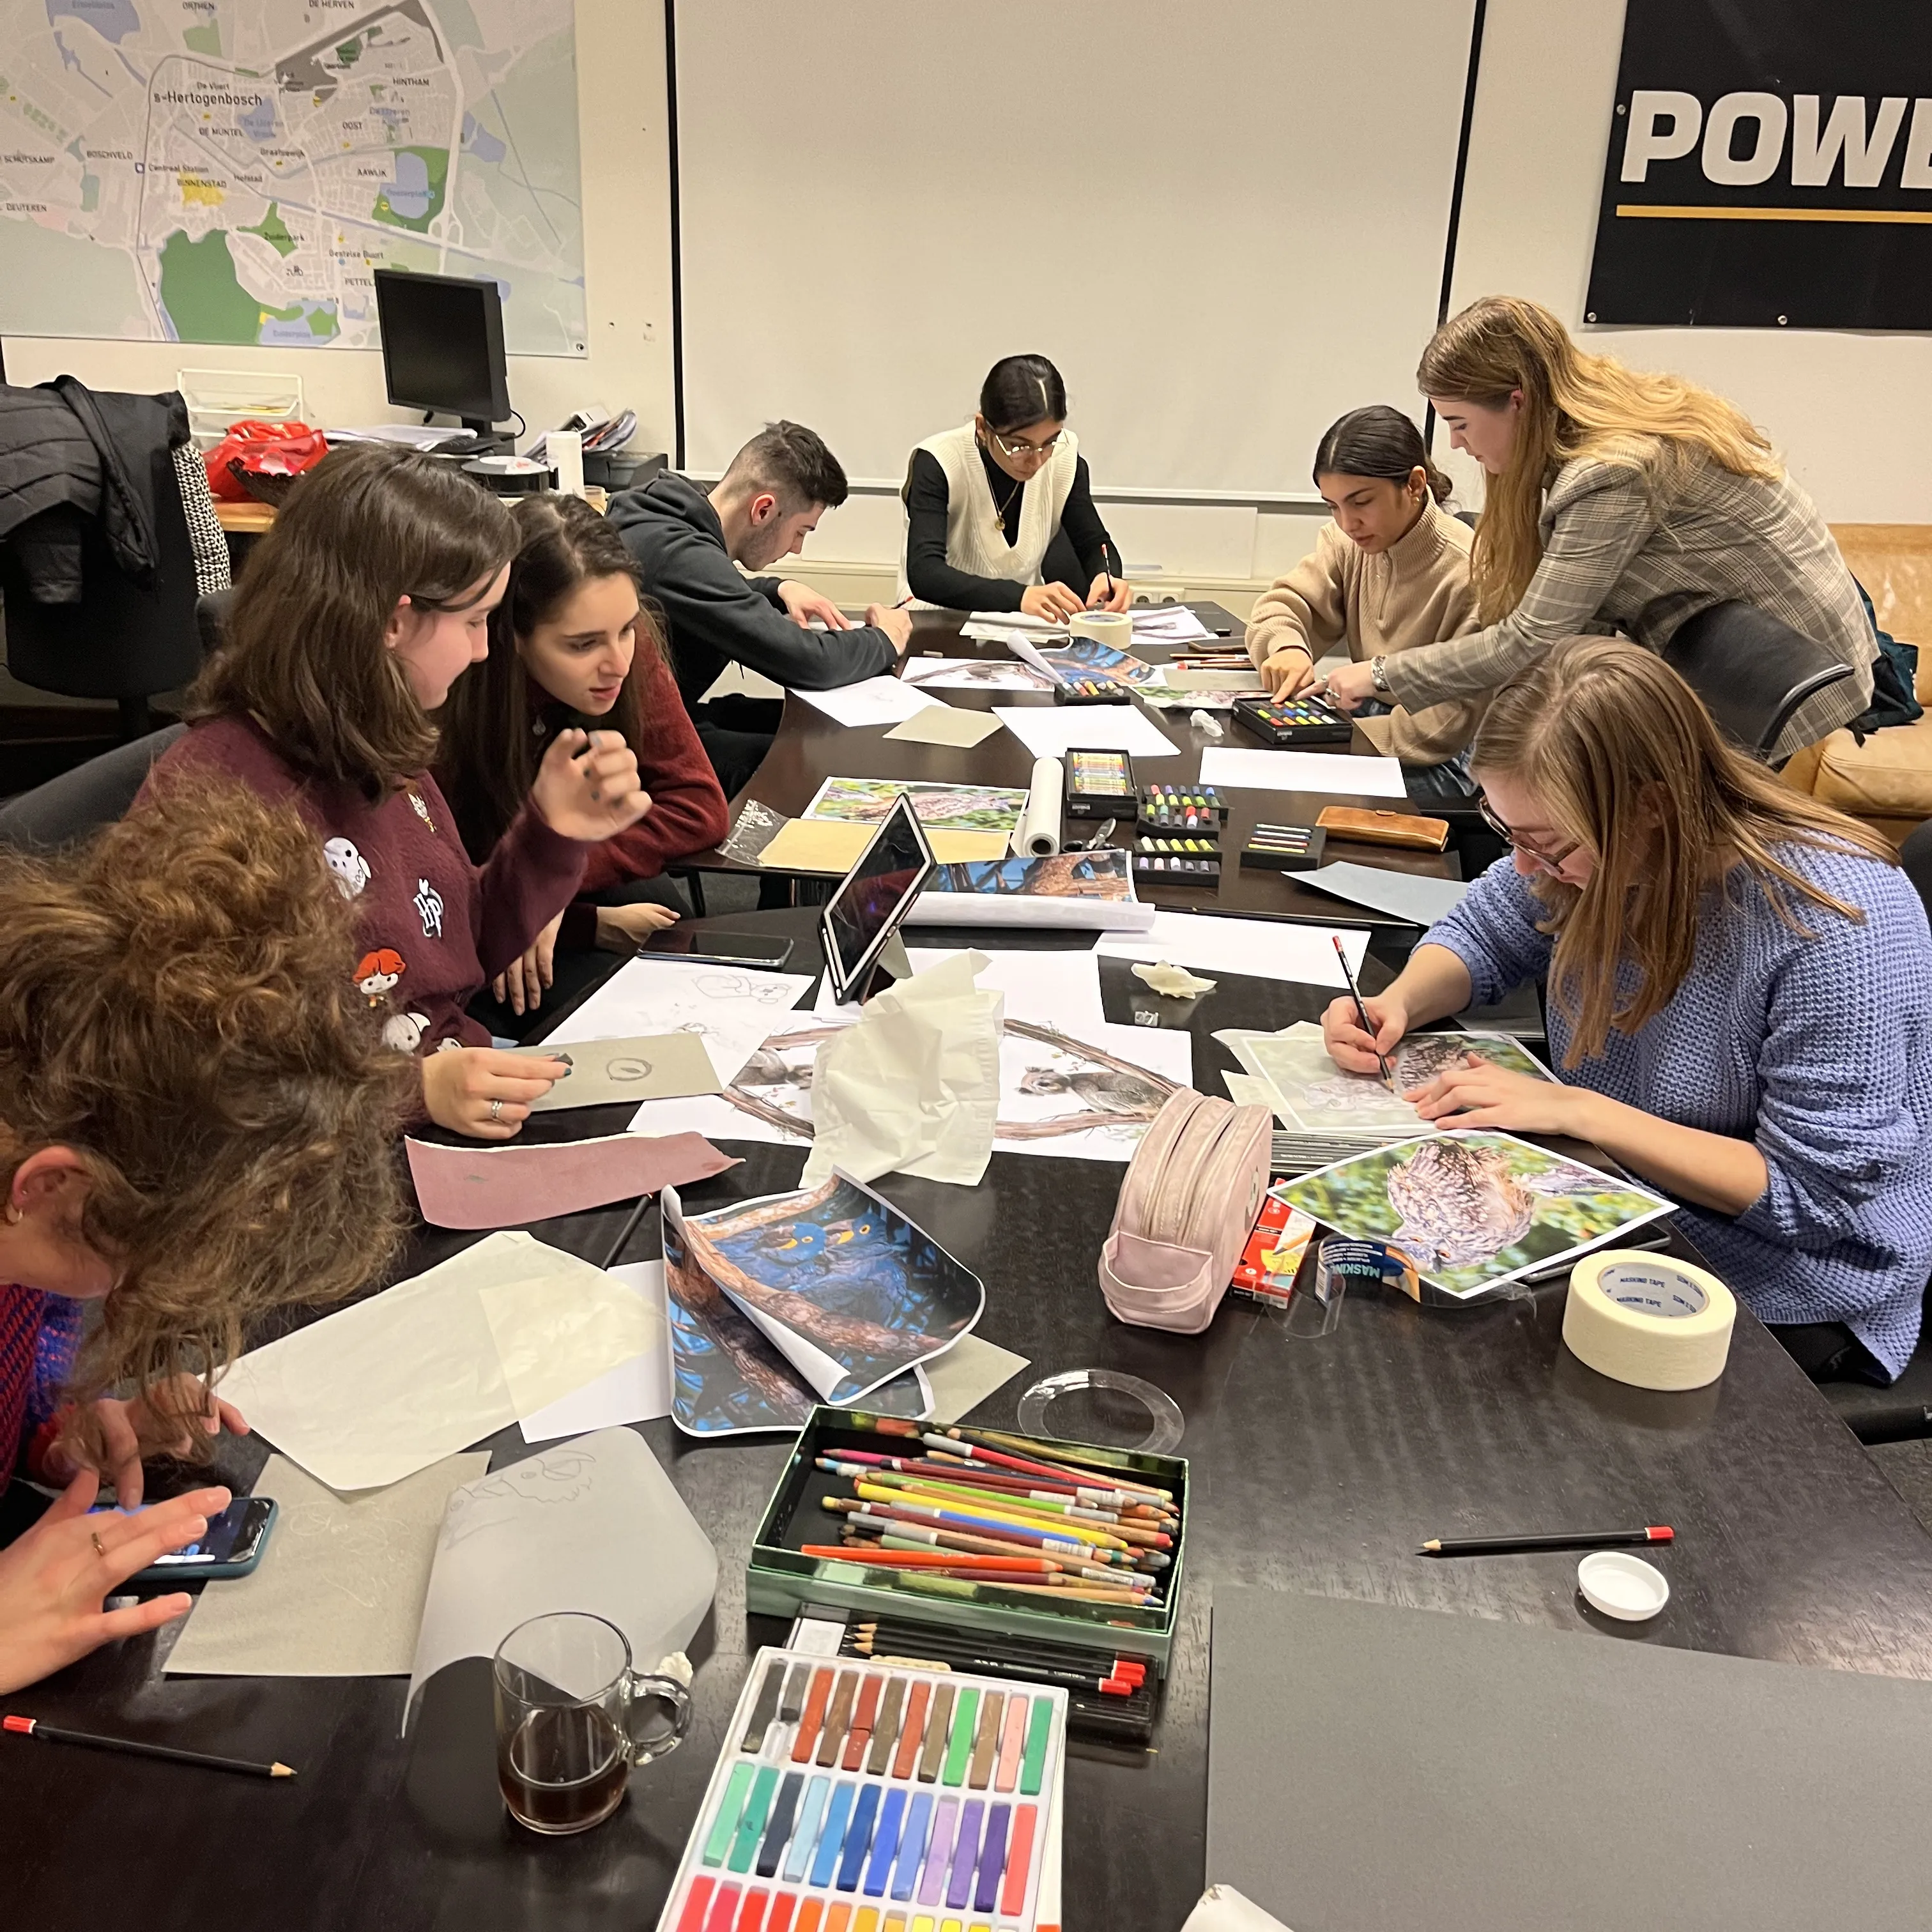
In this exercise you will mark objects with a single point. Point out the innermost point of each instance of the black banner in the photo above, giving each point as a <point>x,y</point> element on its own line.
<point>1770,166</point>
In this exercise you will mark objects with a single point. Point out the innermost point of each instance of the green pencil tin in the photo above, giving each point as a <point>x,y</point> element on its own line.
<point>781,1581</point>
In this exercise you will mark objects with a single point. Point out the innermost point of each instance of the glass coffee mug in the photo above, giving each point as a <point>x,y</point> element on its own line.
<point>572,1717</point>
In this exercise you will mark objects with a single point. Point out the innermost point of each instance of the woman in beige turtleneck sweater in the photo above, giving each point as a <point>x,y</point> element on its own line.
<point>1391,571</point>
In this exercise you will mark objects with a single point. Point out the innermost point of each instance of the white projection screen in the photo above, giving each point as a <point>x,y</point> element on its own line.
<point>1225,220</point>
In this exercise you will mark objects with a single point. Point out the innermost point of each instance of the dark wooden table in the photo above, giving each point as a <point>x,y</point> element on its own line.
<point>810,747</point>
<point>1315,1466</point>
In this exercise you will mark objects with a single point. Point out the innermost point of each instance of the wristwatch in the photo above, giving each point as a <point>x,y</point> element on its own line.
<point>1379,674</point>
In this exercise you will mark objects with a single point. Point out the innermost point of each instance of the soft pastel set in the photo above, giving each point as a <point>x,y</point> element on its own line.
<point>880,1799</point>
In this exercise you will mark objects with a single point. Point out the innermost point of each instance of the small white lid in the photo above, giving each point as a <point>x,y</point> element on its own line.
<point>1622,1585</point>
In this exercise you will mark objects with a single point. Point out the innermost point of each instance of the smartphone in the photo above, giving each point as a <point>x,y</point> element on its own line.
<point>231,1546</point>
<point>721,949</point>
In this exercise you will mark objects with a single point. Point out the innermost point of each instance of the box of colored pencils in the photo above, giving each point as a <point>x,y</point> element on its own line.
<point>1284,848</point>
<point>979,1531</point>
<point>850,1794</point>
<point>1181,810</point>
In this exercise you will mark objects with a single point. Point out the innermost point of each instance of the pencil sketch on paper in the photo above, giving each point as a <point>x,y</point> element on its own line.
<point>563,1476</point>
<point>1472,1210</point>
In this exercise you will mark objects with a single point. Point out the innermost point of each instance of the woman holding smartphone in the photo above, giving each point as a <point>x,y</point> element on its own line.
<point>1740,1005</point>
<point>197,1115</point>
<point>999,512</point>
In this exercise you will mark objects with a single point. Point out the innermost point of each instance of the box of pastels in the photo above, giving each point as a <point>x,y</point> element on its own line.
<point>886,1800</point>
<point>1027,1537</point>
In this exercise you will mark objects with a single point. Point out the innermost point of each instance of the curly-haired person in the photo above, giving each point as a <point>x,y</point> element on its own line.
<point>197,1110</point>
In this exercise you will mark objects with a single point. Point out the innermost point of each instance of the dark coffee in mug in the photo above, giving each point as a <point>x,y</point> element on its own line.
<point>563,1769</point>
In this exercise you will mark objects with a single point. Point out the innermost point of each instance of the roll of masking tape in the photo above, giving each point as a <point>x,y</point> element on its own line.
<point>1104,627</point>
<point>1649,1321</point>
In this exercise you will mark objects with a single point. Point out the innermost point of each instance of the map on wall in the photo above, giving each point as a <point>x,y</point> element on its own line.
<point>233,170</point>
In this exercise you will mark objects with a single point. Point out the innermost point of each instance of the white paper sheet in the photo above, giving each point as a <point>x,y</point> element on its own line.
<point>873,701</point>
<point>1061,1083</point>
<point>1262,948</point>
<point>733,1007</point>
<point>383,1389</point>
<point>1339,776</point>
<point>968,1372</point>
<point>593,1526</point>
<point>637,1390</point>
<point>339,1590</point>
<point>1016,620</point>
<point>1050,730</point>
<point>972,674</point>
<point>1169,624</point>
<point>1401,895</point>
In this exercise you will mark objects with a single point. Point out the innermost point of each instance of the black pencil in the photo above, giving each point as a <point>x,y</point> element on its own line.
<point>1581,1539</point>
<point>624,1233</point>
<point>32,1727</point>
<point>905,1637</point>
<point>1362,1012</point>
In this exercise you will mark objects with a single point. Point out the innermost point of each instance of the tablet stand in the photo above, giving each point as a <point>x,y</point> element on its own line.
<point>891,966</point>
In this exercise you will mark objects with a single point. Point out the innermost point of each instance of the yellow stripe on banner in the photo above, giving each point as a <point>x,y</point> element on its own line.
<point>1638,211</point>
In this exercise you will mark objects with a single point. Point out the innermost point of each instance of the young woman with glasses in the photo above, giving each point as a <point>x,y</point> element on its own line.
<point>1740,1005</point>
<point>1000,512</point>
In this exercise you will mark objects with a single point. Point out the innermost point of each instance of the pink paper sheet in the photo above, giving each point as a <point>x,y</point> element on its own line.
<point>473,1186</point>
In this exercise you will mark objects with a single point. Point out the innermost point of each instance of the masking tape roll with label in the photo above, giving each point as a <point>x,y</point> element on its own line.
<point>1649,1321</point>
<point>1113,627</point>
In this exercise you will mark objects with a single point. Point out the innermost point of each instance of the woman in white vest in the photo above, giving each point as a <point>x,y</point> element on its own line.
<point>1000,513</point>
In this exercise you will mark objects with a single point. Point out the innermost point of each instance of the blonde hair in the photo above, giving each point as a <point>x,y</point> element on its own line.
<point>1621,754</point>
<point>1573,405</point>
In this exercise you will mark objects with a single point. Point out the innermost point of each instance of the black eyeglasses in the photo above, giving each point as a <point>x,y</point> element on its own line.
<point>1554,860</point>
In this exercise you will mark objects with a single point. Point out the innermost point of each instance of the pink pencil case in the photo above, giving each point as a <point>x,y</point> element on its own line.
<point>1193,1190</point>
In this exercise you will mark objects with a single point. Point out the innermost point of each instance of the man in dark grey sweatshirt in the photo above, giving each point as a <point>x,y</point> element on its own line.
<point>689,546</point>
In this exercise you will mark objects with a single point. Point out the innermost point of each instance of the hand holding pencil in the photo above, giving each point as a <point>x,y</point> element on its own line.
<point>1360,1031</point>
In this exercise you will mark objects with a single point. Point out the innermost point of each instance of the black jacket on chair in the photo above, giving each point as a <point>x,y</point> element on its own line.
<point>97,563</point>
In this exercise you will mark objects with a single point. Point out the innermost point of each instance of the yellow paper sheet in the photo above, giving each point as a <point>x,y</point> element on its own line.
<point>833,845</point>
<point>555,1332</point>
<point>946,724</point>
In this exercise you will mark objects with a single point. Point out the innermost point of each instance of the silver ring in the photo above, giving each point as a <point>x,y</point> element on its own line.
<point>496,1110</point>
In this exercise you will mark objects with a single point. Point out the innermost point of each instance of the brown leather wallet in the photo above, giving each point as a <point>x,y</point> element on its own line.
<point>1384,828</point>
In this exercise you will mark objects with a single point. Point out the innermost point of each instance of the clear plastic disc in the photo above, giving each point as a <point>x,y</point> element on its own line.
<point>1104,1407</point>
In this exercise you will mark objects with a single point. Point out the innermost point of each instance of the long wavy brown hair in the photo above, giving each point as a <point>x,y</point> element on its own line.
<point>488,756</point>
<point>1621,754</point>
<point>1573,405</point>
<point>304,654</point>
<point>176,1007</point>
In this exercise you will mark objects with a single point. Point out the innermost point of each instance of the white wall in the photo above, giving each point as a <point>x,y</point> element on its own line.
<point>621,110</point>
<point>1851,413</point>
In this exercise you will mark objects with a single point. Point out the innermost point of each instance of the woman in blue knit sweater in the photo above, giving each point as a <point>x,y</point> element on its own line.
<point>1740,1006</point>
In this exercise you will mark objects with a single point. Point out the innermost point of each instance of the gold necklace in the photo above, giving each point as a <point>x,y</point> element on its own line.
<point>1000,509</point>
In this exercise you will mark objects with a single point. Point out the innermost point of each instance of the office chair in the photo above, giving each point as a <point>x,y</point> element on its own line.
<point>68,808</point>
<point>1752,672</point>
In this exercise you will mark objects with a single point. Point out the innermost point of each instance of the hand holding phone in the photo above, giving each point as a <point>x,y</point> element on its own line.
<point>231,1546</point>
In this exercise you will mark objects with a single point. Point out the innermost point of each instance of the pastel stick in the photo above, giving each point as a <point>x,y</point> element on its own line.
<point>807,1834</point>
<point>992,1858</point>
<point>939,1853</point>
<point>757,1809</point>
<point>965,1855</point>
<point>837,1812</point>
<point>733,1804</point>
<point>912,1846</point>
<point>779,1832</point>
<point>886,1842</point>
<point>858,1837</point>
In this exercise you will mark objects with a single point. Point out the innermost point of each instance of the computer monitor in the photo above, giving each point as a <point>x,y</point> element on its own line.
<point>442,346</point>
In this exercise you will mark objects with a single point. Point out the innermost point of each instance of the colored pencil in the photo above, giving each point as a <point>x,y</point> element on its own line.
<point>1362,1012</point>
<point>860,1535</point>
<point>842,1460</point>
<point>32,1727</point>
<point>997,1445</point>
<point>1510,1546</point>
<point>983,1515</point>
<point>908,1536</point>
<point>1004,1502</point>
<point>1030,1543</point>
<point>629,1228</point>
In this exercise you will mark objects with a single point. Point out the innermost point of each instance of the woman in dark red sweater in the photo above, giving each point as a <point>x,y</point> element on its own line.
<point>572,646</point>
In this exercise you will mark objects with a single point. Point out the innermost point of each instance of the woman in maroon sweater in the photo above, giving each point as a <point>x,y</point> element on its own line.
<point>366,602</point>
<point>572,645</point>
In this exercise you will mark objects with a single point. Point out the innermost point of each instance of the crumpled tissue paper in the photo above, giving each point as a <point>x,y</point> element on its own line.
<point>912,1087</point>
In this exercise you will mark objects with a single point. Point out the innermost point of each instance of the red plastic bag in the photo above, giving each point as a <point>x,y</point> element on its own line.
<point>262,449</point>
